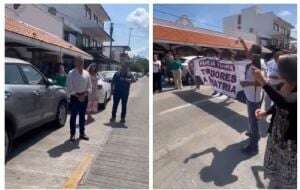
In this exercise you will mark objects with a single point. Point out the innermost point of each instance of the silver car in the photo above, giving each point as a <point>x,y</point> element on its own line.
<point>31,100</point>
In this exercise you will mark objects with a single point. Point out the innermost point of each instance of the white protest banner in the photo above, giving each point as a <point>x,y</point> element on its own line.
<point>222,75</point>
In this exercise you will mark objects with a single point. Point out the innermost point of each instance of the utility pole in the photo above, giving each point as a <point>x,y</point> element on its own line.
<point>129,39</point>
<point>111,30</point>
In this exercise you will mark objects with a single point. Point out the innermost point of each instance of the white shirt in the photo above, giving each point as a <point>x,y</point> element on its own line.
<point>78,83</point>
<point>252,93</point>
<point>156,66</point>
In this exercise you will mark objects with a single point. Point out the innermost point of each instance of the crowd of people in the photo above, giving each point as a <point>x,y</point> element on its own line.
<point>172,66</point>
<point>270,89</point>
<point>82,85</point>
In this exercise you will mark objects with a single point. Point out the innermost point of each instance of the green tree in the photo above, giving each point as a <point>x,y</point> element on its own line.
<point>139,64</point>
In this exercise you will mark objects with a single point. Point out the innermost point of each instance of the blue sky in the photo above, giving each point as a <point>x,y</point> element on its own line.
<point>126,16</point>
<point>210,16</point>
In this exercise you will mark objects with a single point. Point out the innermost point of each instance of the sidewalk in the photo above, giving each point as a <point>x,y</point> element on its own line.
<point>47,159</point>
<point>124,160</point>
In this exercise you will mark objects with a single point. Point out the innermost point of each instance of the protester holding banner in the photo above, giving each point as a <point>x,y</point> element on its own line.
<point>253,94</point>
<point>281,152</point>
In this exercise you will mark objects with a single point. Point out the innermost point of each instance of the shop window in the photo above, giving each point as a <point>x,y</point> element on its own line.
<point>276,27</point>
<point>66,36</point>
<point>85,41</point>
<point>96,18</point>
<point>98,44</point>
<point>88,12</point>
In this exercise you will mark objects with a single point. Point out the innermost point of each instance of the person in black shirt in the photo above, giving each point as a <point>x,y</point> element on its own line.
<point>281,152</point>
<point>120,89</point>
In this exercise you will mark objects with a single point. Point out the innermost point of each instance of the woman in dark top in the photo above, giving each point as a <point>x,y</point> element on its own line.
<point>281,153</point>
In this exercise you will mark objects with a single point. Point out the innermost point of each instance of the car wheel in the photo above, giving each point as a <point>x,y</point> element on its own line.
<point>7,144</point>
<point>61,115</point>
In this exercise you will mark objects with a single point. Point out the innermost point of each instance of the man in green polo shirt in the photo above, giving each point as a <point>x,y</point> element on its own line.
<point>175,67</point>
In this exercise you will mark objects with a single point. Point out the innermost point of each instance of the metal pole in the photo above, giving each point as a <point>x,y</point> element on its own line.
<point>110,46</point>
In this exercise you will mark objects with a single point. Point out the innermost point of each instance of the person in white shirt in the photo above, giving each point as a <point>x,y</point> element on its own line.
<point>272,78</point>
<point>156,74</point>
<point>253,93</point>
<point>79,86</point>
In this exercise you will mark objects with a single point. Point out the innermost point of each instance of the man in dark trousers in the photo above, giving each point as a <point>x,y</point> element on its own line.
<point>78,87</point>
<point>120,88</point>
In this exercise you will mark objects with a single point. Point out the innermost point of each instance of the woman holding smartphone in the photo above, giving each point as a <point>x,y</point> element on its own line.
<point>280,159</point>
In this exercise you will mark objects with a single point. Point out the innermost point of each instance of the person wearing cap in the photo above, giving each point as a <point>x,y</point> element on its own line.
<point>120,89</point>
<point>79,86</point>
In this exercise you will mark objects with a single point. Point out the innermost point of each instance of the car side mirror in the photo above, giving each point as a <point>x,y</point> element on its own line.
<point>49,82</point>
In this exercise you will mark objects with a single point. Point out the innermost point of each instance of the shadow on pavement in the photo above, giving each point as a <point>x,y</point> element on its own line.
<point>30,138</point>
<point>231,118</point>
<point>116,125</point>
<point>67,146</point>
<point>223,163</point>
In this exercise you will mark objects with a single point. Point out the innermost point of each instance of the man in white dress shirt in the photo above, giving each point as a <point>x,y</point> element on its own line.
<point>272,77</point>
<point>78,87</point>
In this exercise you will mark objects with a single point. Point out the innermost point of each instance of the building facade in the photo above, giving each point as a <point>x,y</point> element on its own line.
<point>35,35</point>
<point>80,25</point>
<point>266,28</point>
<point>83,27</point>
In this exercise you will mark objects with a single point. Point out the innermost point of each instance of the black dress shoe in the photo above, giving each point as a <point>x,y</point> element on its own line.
<point>84,137</point>
<point>72,138</point>
<point>112,120</point>
<point>122,120</point>
<point>250,149</point>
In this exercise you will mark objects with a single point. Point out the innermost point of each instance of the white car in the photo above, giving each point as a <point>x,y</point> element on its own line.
<point>107,75</point>
<point>104,91</point>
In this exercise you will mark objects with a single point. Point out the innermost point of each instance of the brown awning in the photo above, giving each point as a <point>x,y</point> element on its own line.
<point>167,34</point>
<point>19,28</point>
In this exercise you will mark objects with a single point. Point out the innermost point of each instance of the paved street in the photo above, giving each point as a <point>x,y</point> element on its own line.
<point>197,142</point>
<point>45,158</point>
